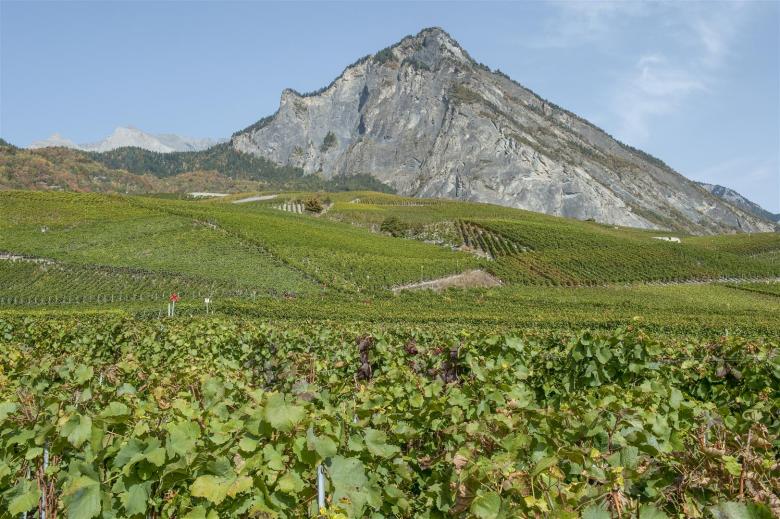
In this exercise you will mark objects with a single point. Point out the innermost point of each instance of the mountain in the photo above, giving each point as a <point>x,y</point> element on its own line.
<point>425,118</point>
<point>55,141</point>
<point>179,143</point>
<point>124,137</point>
<point>734,198</point>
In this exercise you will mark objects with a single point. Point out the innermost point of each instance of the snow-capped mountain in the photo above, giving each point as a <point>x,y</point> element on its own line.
<point>124,137</point>
<point>56,140</point>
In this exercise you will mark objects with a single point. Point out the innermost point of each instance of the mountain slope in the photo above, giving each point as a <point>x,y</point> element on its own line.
<point>65,169</point>
<point>425,118</point>
<point>123,137</point>
<point>734,198</point>
<point>134,170</point>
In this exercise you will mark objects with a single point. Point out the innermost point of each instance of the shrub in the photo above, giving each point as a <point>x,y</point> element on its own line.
<point>393,226</point>
<point>385,55</point>
<point>313,205</point>
<point>328,142</point>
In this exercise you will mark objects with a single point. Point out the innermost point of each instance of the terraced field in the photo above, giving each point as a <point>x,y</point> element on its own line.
<point>35,283</point>
<point>79,231</point>
<point>530,248</point>
<point>338,255</point>
<point>214,245</point>
<point>151,245</point>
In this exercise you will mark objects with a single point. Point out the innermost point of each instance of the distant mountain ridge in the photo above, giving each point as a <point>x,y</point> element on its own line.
<point>425,118</point>
<point>740,201</point>
<point>138,171</point>
<point>130,137</point>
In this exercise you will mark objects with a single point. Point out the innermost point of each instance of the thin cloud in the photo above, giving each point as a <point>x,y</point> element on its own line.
<point>661,83</point>
<point>658,82</point>
<point>654,88</point>
<point>575,23</point>
<point>714,30</point>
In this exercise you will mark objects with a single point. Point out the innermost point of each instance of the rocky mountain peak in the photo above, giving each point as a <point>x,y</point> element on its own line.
<point>426,119</point>
<point>429,47</point>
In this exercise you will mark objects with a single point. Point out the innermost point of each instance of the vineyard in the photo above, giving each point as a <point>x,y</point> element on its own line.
<point>490,243</point>
<point>706,310</point>
<point>744,244</point>
<point>147,245</point>
<point>32,283</point>
<point>590,384</point>
<point>534,249</point>
<point>664,263</point>
<point>261,249</point>
<point>337,255</point>
<point>291,207</point>
<point>108,417</point>
<point>111,233</point>
<point>759,288</point>
<point>570,258</point>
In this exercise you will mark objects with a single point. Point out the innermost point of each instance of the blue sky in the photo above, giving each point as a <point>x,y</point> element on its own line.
<point>695,83</point>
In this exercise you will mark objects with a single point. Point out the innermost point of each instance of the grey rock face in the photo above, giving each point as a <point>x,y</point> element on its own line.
<point>734,198</point>
<point>426,119</point>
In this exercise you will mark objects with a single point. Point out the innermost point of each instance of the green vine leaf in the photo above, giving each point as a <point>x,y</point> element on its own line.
<point>376,442</point>
<point>77,429</point>
<point>290,483</point>
<point>734,510</point>
<point>349,481</point>
<point>7,408</point>
<point>596,512</point>
<point>651,512</point>
<point>135,499</point>
<point>82,498</point>
<point>213,488</point>
<point>82,374</point>
<point>26,498</point>
<point>486,506</point>
<point>282,415</point>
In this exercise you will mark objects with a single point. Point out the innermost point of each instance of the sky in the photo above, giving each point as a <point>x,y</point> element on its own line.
<point>697,84</point>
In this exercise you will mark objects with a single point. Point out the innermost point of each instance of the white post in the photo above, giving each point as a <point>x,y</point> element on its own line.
<point>320,487</point>
<point>45,466</point>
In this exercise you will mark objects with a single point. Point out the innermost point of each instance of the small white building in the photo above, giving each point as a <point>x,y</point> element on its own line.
<point>673,239</point>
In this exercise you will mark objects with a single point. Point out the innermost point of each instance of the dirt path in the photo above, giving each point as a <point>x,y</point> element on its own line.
<point>735,281</point>
<point>481,279</point>
<point>468,279</point>
<point>27,259</point>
